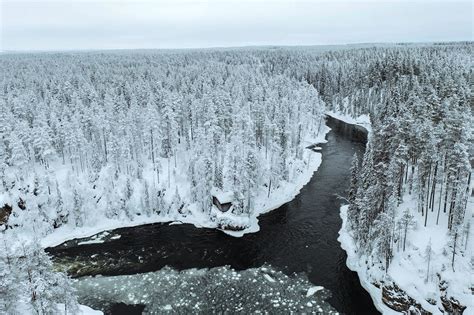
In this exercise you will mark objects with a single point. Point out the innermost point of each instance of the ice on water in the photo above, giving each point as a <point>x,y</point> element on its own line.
<point>206,291</point>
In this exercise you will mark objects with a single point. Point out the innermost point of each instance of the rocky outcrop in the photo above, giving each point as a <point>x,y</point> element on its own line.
<point>5,213</point>
<point>21,204</point>
<point>450,304</point>
<point>231,227</point>
<point>398,300</point>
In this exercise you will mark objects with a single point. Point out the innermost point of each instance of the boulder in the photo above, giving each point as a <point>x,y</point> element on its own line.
<point>5,213</point>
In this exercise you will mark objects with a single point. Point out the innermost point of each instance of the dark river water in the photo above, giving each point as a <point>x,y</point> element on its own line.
<point>299,237</point>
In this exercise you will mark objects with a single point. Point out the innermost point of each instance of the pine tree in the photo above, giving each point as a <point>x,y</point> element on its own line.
<point>10,290</point>
<point>177,203</point>
<point>61,213</point>
<point>381,235</point>
<point>407,222</point>
<point>77,212</point>
<point>45,287</point>
<point>19,156</point>
<point>3,163</point>
<point>428,255</point>
<point>42,140</point>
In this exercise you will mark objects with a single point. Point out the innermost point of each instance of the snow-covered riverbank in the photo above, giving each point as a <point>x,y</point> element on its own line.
<point>361,121</point>
<point>408,271</point>
<point>353,261</point>
<point>151,152</point>
<point>24,309</point>
<point>422,276</point>
<point>302,173</point>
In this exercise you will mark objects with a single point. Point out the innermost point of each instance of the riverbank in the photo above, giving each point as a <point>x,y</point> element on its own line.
<point>408,284</point>
<point>24,309</point>
<point>362,127</point>
<point>301,175</point>
<point>361,123</point>
<point>352,263</point>
<point>423,277</point>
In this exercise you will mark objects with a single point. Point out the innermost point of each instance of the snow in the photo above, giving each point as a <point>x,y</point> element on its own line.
<point>313,290</point>
<point>97,239</point>
<point>223,196</point>
<point>355,264</point>
<point>286,192</point>
<point>136,176</point>
<point>176,223</point>
<point>83,310</point>
<point>268,278</point>
<point>91,242</point>
<point>409,269</point>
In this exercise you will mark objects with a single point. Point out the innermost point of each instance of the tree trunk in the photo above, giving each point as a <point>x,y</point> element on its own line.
<point>405,237</point>
<point>169,172</point>
<point>428,270</point>
<point>446,196</point>
<point>427,204</point>
<point>452,203</point>
<point>152,147</point>
<point>105,144</point>
<point>426,216</point>
<point>433,188</point>
<point>454,249</point>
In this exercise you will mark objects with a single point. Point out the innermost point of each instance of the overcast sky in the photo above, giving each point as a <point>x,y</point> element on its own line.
<point>106,24</point>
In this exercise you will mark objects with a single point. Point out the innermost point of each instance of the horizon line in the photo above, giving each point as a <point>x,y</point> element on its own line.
<point>84,50</point>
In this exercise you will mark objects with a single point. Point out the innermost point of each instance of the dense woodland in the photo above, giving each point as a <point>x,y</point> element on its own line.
<point>140,133</point>
<point>419,101</point>
<point>125,134</point>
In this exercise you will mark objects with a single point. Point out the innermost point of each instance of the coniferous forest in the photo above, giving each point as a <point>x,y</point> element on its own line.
<point>117,137</point>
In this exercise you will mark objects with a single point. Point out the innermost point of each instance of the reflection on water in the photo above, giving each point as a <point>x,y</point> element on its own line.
<point>204,291</point>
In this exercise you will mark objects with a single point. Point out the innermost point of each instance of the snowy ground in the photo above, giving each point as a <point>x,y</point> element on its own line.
<point>207,291</point>
<point>354,263</point>
<point>409,269</point>
<point>300,175</point>
<point>289,191</point>
<point>83,310</point>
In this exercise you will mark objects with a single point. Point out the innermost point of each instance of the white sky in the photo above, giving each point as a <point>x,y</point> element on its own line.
<point>106,24</point>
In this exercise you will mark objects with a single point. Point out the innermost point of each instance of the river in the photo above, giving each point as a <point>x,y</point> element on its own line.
<point>299,237</point>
